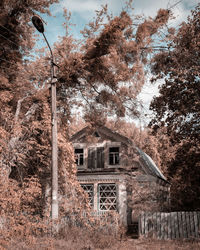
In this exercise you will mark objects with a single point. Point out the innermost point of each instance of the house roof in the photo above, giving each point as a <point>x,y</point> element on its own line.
<point>148,165</point>
<point>110,134</point>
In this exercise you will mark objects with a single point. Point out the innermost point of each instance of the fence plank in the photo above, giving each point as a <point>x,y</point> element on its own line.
<point>188,224</point>
<point>165,226</point>
<point>177,227</point>
<point>159,225</point>
<point>198,219</point>
<point>192,224</point>
<point>196,235</point>
<point>173,225</point>
<point>180,225</point>
<point>155,225</point>
<point>168,226</point>
<point>184,224</point>
<point>162,225</point>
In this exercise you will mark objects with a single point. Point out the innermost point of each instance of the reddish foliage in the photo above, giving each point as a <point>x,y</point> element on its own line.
<point>177,109</point>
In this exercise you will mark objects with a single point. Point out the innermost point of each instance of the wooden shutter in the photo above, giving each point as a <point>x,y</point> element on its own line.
<point>91,158</point>
<point>100,157</point>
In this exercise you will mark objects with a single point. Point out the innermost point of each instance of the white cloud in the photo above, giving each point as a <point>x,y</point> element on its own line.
<point>148,8</point>
<point>180,14</point>
<point>86,8</point>
<point>80,6</point>
<point>180,9</point>
<point>149,90</point>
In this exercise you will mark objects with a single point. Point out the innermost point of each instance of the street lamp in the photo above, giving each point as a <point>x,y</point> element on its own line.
<point>37,22</point>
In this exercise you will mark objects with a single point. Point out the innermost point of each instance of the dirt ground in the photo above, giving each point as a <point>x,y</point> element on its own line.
<point>105,244</point>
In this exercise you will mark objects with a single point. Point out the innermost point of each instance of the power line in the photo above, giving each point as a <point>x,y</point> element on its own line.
<point>172,6</point>
<point>9,40</point>
<point>8,30</point>
<point>6,61</point>
<point>4,68</point>
<point>8,49</point>
<point>2,59</point>
<point>9,63</point>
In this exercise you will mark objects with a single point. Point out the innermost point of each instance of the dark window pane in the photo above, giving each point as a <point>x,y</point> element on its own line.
<point>96,134</point>
<point>78,150</point>
<point>79,156</point>
<point>91,158</point>
<point>114,156</point>
<point>100,157</point>
<point>114,149</point>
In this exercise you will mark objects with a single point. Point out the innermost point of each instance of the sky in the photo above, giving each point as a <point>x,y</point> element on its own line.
<point>83,11</point>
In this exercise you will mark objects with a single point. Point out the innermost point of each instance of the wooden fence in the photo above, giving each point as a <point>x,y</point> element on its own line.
<point>174,225</point>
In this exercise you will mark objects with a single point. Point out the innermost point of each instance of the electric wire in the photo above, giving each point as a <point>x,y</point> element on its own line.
<point>8,30</point>
<point>25,70</point>
<point>9,40</point>
<point>10,71</point>
<point>174,5</point>
<point>2,59</point>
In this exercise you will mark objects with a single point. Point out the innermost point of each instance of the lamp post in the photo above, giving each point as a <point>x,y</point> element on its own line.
<point>37,22</point>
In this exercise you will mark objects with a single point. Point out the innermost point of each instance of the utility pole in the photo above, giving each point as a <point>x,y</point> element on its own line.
<point>54,139</point>
<point>37,22</point>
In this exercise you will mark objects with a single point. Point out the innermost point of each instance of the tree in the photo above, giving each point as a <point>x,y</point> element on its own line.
<point>20,101</point>
<point>16,37</point>
<point>177,109</point>
<point>105,73</point>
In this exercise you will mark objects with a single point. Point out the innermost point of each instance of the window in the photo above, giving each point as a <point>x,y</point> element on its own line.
<point>89,189</point>
<point>79,156</point>
<point>107,197</point>
<point>114,156</point>
<point>101,197</point>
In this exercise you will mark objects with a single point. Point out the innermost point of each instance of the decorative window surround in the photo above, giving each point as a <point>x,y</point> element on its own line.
<point>114,156</point>
<point>82,146</point>
<point>111,145</point>
<point>121,193</point>
<point>95,149</point>
<point>107,197</point>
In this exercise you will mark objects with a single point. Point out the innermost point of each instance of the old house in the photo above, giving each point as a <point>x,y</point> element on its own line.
<point>106,163</point>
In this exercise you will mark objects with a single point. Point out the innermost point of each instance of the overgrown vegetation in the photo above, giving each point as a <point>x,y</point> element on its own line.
<point>103,76</point>
<point>177,111</point>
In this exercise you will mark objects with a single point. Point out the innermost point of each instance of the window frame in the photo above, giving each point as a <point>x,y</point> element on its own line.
<point>81,146</point>
<point>90,198</point>
<point>80,157</point>
<point>99,197</point>
<point>96,194</point>
<point>113,145</point>
<point>114,155</point>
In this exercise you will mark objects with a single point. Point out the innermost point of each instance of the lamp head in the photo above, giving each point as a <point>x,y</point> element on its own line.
<point>37,22</point>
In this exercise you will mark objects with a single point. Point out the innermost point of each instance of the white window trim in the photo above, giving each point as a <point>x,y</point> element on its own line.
<point>85,153</point>
<point>112,145</point>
